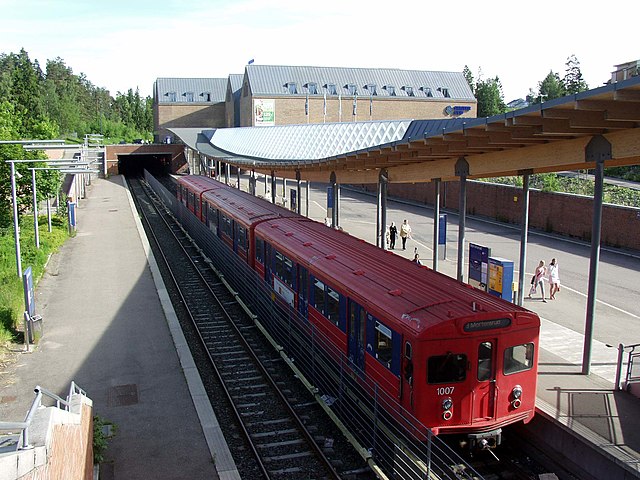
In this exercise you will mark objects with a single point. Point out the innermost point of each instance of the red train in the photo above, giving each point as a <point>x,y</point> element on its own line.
<point>460,360</point>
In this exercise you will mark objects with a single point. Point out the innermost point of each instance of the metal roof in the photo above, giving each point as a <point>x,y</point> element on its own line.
<point>268,80</point>
<point>217,87</point>
<point>292,143</point>
<point>558,130</point>
<point>236,81</point>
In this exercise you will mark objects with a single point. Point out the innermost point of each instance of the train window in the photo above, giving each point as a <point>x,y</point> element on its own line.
<point>260,250</point>
<point>213,218</point>
<point>205,213</point>
<point>333,306</point>
<point>284,268</point>
<point>384,344</point>
<point>225,225</point>
<point>448,368</point>
<point>485,359</point>
<point>318,295</point>
<point>518,358</point>
<point>242,237</point>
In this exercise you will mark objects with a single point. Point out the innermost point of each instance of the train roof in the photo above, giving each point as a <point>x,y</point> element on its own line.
<point>416,296</point>
<point>199,183</point>
<point>244,206</point>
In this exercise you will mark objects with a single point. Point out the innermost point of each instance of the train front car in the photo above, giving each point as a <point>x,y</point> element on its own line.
<point>459,360</point>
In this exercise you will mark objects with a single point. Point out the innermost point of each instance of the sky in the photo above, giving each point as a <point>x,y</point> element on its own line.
<point>121,44</point>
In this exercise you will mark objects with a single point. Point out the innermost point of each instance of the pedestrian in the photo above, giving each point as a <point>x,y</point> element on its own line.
<point>538,280</point>
<point>393,233</point>
<point>405,232</point>
<point>554,279</point>
<point>416,259</point>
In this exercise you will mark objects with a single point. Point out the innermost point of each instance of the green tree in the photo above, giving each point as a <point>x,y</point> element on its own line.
<point>573,81</point>
<point>490,97</point>
<point>469,78</point>
<point>549,88</point>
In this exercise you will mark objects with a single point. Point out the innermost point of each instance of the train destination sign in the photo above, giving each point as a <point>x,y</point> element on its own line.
<point>487,324</point>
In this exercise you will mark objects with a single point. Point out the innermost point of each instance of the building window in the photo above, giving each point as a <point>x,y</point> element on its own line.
<point>292,87</point>
<point>351,87</point>
<point>371,87</point>
<point>312,88</point>
<point>391,90</point>
<point>206,96</point>
<point>445,92</point>
<point>331,88</point>
<point>188,96</point>
<point>408,90</point>
<point>171,95</point>
<point>427,91</point>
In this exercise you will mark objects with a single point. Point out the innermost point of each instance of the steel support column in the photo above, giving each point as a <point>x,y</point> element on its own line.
<point>238,178</point>
<point>462,171</point>
<point>273,187</point>
<point>436,224</point>
<point>378,209</point>
<point>307,202</point>
<point>597,150</point>
<point>298,193</point>
<point>383,181</point>
<point>336,198</point>
<point>524,231</point>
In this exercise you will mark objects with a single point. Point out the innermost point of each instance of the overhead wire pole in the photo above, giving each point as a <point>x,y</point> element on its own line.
<point>16,227</point>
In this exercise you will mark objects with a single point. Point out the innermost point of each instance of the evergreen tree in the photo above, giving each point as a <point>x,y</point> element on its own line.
<point>573,81</point>
<point>490,97</point>
<point>549,88</point>
<point>469,78</point>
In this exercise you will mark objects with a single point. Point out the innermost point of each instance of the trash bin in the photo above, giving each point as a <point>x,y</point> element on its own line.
<point>35,328</point>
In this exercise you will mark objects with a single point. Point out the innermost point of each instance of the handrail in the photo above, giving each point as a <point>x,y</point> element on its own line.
<point>621,349</point>
<point>37,403</point>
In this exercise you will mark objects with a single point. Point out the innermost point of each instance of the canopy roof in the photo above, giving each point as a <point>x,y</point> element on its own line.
<point>545,137</point>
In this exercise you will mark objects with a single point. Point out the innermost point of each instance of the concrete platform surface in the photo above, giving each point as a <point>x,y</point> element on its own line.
<point>105,329</point>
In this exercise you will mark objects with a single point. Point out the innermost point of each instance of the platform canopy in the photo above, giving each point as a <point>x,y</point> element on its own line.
<point>545,137</point>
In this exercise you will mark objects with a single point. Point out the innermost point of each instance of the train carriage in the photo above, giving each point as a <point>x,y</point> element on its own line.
<point>456,358</point>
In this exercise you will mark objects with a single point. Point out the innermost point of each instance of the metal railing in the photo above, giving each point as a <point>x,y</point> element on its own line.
<point>24,426</point>
<point>633,360</point>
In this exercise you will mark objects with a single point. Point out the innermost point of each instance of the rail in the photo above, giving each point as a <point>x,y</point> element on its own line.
<point>37,403</point>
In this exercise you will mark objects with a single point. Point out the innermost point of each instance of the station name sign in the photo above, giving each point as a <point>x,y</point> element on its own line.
<point>456,110</point>
<point>487,324</point>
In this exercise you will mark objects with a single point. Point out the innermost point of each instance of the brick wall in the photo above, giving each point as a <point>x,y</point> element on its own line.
<point>559,213</point>
<point>69,452</point>
<point>180,115</point>
<point>291,111</point>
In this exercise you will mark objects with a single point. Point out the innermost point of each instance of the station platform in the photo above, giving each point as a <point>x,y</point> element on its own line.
<point>109,326</point>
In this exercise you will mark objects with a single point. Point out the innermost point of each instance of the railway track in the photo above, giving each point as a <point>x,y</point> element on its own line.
<point>276,431</point>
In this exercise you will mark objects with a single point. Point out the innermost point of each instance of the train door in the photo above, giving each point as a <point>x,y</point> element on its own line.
<point>357,334</point>
<point>485,404</point>
<point>303,296</point>
<point>407,377</point>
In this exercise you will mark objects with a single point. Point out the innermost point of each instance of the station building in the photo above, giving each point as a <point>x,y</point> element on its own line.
<point>269,95</point>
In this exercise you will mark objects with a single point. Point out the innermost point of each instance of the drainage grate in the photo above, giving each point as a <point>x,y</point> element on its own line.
<point>122,395</point>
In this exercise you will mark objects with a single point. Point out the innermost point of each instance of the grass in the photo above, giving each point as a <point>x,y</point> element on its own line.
<point>11,291</point>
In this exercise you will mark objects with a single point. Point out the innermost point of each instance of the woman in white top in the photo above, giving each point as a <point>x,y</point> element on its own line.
<point>554,279</point>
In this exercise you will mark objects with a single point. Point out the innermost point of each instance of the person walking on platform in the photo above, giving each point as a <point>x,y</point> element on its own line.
<point>416,259</point>
<point>405,232</point>
<point>554,279</point>
<point>393,233</point>
<point>538,280</point>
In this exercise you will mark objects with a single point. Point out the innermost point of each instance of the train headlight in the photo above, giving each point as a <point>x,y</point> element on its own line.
<point>516,393</point>
<point>447,403</point>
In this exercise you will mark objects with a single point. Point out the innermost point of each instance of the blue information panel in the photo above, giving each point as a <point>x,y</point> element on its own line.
<point>501,278</point>
<point>72,214</point>
<point>329,198</point>
<point>29,297</point>
<point>442,229</point>
<point>294,200</point>
<point>479,266</point>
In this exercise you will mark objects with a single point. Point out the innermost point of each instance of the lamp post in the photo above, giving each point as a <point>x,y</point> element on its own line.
<point>16,227</point>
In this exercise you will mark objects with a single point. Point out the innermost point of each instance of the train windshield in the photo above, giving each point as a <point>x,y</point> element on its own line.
<point>518,358</point>
<point>448,368</point>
